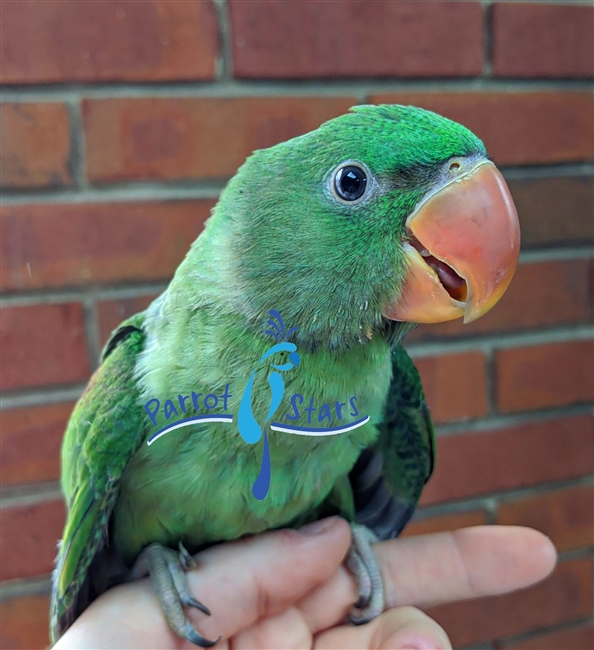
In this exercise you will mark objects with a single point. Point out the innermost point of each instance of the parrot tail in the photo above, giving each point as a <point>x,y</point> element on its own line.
<point>384,513</point>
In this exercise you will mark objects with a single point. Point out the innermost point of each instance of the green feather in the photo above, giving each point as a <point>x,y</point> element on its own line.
<point>104,431</point>
<point>407,438</point>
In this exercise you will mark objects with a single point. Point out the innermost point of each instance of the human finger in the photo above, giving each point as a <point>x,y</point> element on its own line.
<point>428,569</point>
<point>404,627</point>
<point>240,582</point>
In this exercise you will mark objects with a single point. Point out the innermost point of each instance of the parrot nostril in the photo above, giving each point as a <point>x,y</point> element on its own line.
<point>455,167</point>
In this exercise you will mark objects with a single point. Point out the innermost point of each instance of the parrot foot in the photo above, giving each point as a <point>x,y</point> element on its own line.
<point>362,561</point>
<point>167,570</point>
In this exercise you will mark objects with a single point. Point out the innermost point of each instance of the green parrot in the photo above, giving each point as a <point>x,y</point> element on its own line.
<point>380,219</point>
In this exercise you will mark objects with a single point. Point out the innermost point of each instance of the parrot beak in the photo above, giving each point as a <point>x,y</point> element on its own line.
<point>462,251</point>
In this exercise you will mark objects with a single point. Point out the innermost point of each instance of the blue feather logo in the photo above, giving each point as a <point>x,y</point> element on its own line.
<point>249,428</point>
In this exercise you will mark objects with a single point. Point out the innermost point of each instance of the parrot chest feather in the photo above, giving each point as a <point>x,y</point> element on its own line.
<point>204,495</point>
<point>195,484</point>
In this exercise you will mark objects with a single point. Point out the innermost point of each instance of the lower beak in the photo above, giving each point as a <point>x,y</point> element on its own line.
<point>462,251</point>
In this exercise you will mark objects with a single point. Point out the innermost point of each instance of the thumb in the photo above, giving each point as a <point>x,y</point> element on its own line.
<point>404,628</point>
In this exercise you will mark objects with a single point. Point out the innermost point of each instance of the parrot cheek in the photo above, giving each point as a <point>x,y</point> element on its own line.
<point>464,242</point>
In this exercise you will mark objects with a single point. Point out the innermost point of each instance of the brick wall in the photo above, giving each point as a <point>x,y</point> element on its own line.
<point>121,122</point>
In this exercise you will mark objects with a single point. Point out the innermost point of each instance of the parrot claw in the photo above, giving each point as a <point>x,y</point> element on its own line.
<point>363,563</point>
<point>197,639</point>
<point>192,602</point>
<point>166,569</point>
<point>187,561</point>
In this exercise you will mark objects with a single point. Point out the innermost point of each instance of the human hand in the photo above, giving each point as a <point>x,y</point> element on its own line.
<point>289,589</point>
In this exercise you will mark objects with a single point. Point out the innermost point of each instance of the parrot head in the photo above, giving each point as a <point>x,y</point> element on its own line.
<point>388,214</point>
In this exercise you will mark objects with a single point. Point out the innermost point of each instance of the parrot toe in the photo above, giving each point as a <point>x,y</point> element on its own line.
<point>167,570</point>
<point>362,562</point>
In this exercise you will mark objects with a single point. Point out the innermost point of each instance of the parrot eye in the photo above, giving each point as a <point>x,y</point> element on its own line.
<point>350,182</point>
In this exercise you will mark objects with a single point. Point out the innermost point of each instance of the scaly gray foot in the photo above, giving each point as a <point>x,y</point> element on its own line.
<point>362,561</point>
<point>167,570</point>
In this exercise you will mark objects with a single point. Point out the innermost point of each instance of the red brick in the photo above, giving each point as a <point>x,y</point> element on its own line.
<point>31,439</point>
<point>519,128</point>
<point>35,146</point>
<point>566,595</point>
<point>445,523</point>
<point>555,210</point>
<point>541,294</point>
<point>29,536</point>
<point>356,39</point>
<point>181,138</point>
<point>24,623</point>
<point>454,385</point>
<point>509,458</point>
<point>539,40</point>
<point>566,516</point>
<point>43,345</point>
<point>542,376</point>
<point>113,312</point>
<point>158,40</point>
<point>574,638</point>
<point>71,245</point>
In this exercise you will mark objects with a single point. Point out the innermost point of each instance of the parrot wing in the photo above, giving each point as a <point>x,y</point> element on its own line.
<point>104,431</point>
<point>388,477</point>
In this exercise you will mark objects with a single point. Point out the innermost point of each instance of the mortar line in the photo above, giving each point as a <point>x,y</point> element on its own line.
<point>485,344</point>
<point>491,508</point>
<point>77,149</point>
<point>322,87</point>
<point>576,252</point>
<point>41,397</point>
<point>138,192</point>
<point>91,319</point>
<point>481,501</point>
<point>523,172</point>
<point>37,586</point>
<point>30,494</point>
<point>491,423</point>
<point>488,36</point>
<point>224,71</point>
<point>53,295</point>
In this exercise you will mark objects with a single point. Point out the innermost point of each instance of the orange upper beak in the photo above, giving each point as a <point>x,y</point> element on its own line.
<point>463,250</point>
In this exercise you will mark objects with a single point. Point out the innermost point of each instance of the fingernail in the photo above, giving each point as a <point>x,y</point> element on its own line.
<point>317,527</point>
